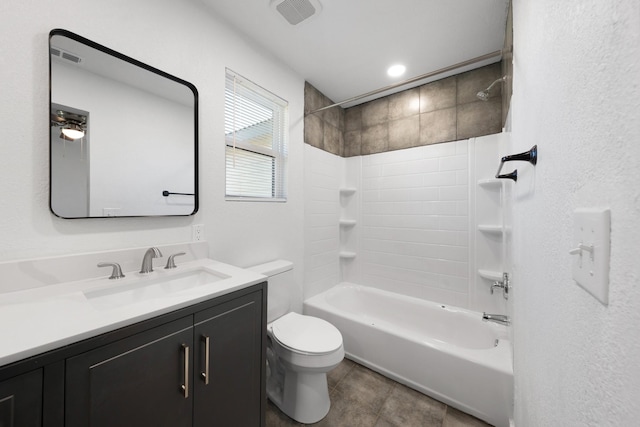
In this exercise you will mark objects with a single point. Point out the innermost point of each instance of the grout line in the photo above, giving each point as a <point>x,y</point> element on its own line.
<point>444,416</point>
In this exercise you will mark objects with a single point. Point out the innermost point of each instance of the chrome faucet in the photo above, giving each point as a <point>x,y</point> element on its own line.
<point>505,285</point>
<point>116,273</point>
<point>496,318</point>
<point>147,260</point>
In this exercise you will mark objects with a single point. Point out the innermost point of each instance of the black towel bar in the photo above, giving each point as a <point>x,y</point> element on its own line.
<point>166,193</point>
<point>530,156</point>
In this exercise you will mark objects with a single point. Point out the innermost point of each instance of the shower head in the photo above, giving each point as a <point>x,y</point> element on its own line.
<point>484,94</point>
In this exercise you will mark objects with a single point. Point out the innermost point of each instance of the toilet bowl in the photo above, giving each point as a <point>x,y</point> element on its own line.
<point>300,350</point>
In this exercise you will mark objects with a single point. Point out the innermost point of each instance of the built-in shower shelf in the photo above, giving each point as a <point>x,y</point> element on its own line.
<point>347,255</point>
<point>491,229</point>
<point>490,274</point>
<point>490,183</point>
<point>347,191</point>
<point>347,222</point>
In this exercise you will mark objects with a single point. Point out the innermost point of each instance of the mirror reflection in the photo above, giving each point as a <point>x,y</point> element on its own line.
<point>123,138</point>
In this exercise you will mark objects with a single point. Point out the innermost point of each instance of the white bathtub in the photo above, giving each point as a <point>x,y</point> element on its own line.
<point>446,352</point>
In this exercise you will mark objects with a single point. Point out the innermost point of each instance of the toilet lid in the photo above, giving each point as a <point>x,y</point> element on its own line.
<point>306,333</point>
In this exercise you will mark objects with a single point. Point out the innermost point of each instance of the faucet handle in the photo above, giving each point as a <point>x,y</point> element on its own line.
<point>170,262</point>
<point>116,273</point>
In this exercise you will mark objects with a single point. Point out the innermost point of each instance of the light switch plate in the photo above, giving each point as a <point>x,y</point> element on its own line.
<point>591,251</point>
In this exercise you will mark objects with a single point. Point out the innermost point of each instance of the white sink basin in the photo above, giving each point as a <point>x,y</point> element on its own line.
<point>144,289</point>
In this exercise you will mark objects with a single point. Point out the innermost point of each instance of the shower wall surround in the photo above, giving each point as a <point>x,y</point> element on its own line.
<point>415,221</point>
<point>441,111</point>
<point>414,237</point>
<point>323,174</point>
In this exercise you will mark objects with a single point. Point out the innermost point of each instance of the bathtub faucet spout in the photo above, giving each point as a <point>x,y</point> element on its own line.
<point>496,318</point>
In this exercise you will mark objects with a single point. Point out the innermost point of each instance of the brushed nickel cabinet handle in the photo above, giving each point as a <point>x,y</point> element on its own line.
<point>205,374</point>
<point>185,386</point>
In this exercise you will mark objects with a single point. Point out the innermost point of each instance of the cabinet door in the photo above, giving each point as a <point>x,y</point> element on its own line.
<point>232,334</point>
<point>21,400</point>
<point>134,382</point>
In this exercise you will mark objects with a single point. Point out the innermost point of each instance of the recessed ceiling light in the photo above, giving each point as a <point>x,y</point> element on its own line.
<point>396,70</point>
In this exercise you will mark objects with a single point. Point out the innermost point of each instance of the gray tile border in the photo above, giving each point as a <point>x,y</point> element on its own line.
<point>472,82</point>
<point>353,118</point>
<point>332,139</point>
<point>314,131</point>
<point>332,116</point>
<point>438,126</point>
<point>404,104</point>
<point>352,143</point>
<point>479,118</point>
<point>375,139</point>
<point>448,110</point>
<point>404,133</point>
<point>375,112</point>
<point>438,95</point>
<point>313,98</point>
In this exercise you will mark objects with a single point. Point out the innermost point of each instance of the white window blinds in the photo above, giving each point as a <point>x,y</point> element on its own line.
<point>255,128</point>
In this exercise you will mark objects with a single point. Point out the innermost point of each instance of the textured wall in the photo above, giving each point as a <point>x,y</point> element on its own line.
<point>576,95</point>
<point>183,39</point>
<point>441,111</point>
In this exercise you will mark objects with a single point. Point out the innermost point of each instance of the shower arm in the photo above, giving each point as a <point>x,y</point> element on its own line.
<point>530,156</point>
<point>500,80</point>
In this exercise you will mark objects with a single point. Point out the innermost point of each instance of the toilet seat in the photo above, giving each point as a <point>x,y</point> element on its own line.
<point>306,334</point>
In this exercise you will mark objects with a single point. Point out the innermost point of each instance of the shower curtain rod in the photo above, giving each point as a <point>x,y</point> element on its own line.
<point>414,79</point>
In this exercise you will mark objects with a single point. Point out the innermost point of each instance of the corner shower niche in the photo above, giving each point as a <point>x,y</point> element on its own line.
<point>347,224</point>
<point>491,227</point>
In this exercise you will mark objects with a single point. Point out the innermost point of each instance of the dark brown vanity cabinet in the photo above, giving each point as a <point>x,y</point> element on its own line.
<point>228,384</point>
<point>136,381</point>
<point>21,400</point>
<point>202,365</point>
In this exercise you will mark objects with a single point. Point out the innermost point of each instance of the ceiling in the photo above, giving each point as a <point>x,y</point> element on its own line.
<point>346,48</point>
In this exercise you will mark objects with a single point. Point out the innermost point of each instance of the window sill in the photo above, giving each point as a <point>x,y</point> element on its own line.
<point>254,199</point>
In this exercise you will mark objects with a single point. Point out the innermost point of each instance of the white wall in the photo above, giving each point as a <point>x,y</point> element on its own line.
<point>577,95</point>
<point>183,39</point>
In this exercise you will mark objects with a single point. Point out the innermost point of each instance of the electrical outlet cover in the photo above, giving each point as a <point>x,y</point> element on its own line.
<point>592,249</point>
<point>197,232</point>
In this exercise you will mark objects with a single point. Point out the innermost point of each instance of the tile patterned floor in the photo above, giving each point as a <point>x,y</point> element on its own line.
<point>361,397</point>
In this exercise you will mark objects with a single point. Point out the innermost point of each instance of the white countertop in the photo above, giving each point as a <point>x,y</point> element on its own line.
<point>44,318</point>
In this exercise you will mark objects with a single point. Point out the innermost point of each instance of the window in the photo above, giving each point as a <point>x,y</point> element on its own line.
<point>255,128</point>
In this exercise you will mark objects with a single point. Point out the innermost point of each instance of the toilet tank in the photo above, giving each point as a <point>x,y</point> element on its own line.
<point>281,286</point>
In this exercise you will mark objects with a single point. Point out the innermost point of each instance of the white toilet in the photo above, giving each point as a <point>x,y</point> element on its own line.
<point>300,350</point>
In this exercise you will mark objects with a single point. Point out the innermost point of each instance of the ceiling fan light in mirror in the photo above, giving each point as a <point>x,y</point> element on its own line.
<point>73,131</point>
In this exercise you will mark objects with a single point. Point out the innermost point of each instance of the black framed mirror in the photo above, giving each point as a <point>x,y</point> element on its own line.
<point>123,135</point>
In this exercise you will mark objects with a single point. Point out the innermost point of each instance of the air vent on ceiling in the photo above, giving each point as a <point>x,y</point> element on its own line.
<point>68,56</point>
<point>296,11</point>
